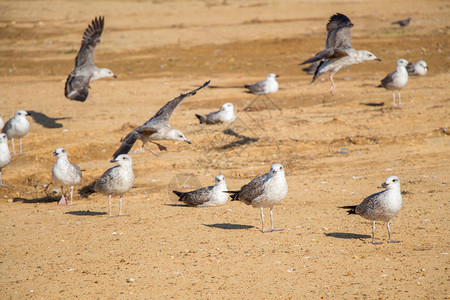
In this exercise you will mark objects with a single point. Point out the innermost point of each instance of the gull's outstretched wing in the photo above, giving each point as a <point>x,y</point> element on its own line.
<point>166,111</point>
<point>338,28</point>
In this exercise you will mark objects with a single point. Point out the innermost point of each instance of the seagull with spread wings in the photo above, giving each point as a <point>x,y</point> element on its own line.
<point>85,71</point>
<point>339,52</point>
<point>157,128</point>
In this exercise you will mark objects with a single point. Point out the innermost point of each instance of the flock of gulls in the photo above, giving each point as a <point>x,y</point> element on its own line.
<point>264,191</point>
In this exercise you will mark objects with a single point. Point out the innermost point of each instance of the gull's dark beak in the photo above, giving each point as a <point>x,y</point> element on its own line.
<point>379,59</point>
<point>54,153</point>
<point>188,142</point>
<point>384,185</point>
<point>277,75</point>
<point>113,160</point>
<point>115,76</point>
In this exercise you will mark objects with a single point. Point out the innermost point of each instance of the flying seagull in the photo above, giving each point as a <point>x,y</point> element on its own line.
<point>264,191</point>
<point>396,80</point>
<point>85,71</point>
<point>157,128</point>
<point>339,52</point>
<point>382,206</point>
<point>402,23</point>
<point>206,196</point>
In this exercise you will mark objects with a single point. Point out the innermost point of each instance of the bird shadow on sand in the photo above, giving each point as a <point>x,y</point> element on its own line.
<point>46,199</point>
<point>228,226</point>
<point>373,104</point>
<point>85,213</point>
<point>177,205</point>
<point>46,121</point>
<point>243,140</point>
<point>346,235</point>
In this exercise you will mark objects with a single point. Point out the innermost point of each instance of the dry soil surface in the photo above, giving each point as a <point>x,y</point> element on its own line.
<point>336,150</point>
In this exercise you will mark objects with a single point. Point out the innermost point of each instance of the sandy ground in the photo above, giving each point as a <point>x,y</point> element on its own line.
<point>159,49</point>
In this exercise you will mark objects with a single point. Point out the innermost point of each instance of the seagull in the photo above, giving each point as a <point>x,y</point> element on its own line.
<point>206,196</point>
<point>225,114</point>
<point>264,191</point>
<point>65,174</point>
<point>157,128</point>
<point>116,181</point>
<point>396,80</point>
<point>5,155</point>
<point>339,52</point>
<point>418,68</point>
<point>402,23</point>
<point>85,71</point>
<point>382,206</point>
<point>17,127</point>
<point>264,87</point>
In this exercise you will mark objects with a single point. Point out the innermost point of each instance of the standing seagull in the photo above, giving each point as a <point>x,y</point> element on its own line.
<point>157,128</point>
<point>116,181</point>
<point>85,71</point>
<point>264,191</point>
<point>207,196</point>
<point>418,68</point>
<point>17,127</point>
<point>65,174</point>
<point>225,114</point>
<point>396,80</point>
<point>5,155</point>
<point>402,23</point>
<point>382,206</point>
<point>339,52</point>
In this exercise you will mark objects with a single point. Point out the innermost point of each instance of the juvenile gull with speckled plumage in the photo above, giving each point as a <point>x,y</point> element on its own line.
<point>396,80</point>
<point>264,191</point>
<point>339,52</point>
<point>65,173</point>
<point>85,71</point>
<point>382,206</point>
<point>206,196</point>
<point>116,181</point>
<point>157,128</point>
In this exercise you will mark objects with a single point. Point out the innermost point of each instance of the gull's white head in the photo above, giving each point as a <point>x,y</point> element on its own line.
<point>177,135</point>
<point>367,56</point>
<point>423,68</point>
<point>21,114</point>
<point>123,160</point>
<point>102,73</point>
<point>3,138</point>
<point>402,63</point>
<point>276,169</point>
<point>271,76</point>
<point>60,152</point>
<point>220,179</point>
<point>392,182</point>
<point>228,106</point>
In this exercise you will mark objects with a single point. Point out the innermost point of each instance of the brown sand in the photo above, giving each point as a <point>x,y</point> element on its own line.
<point>161,48</point>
